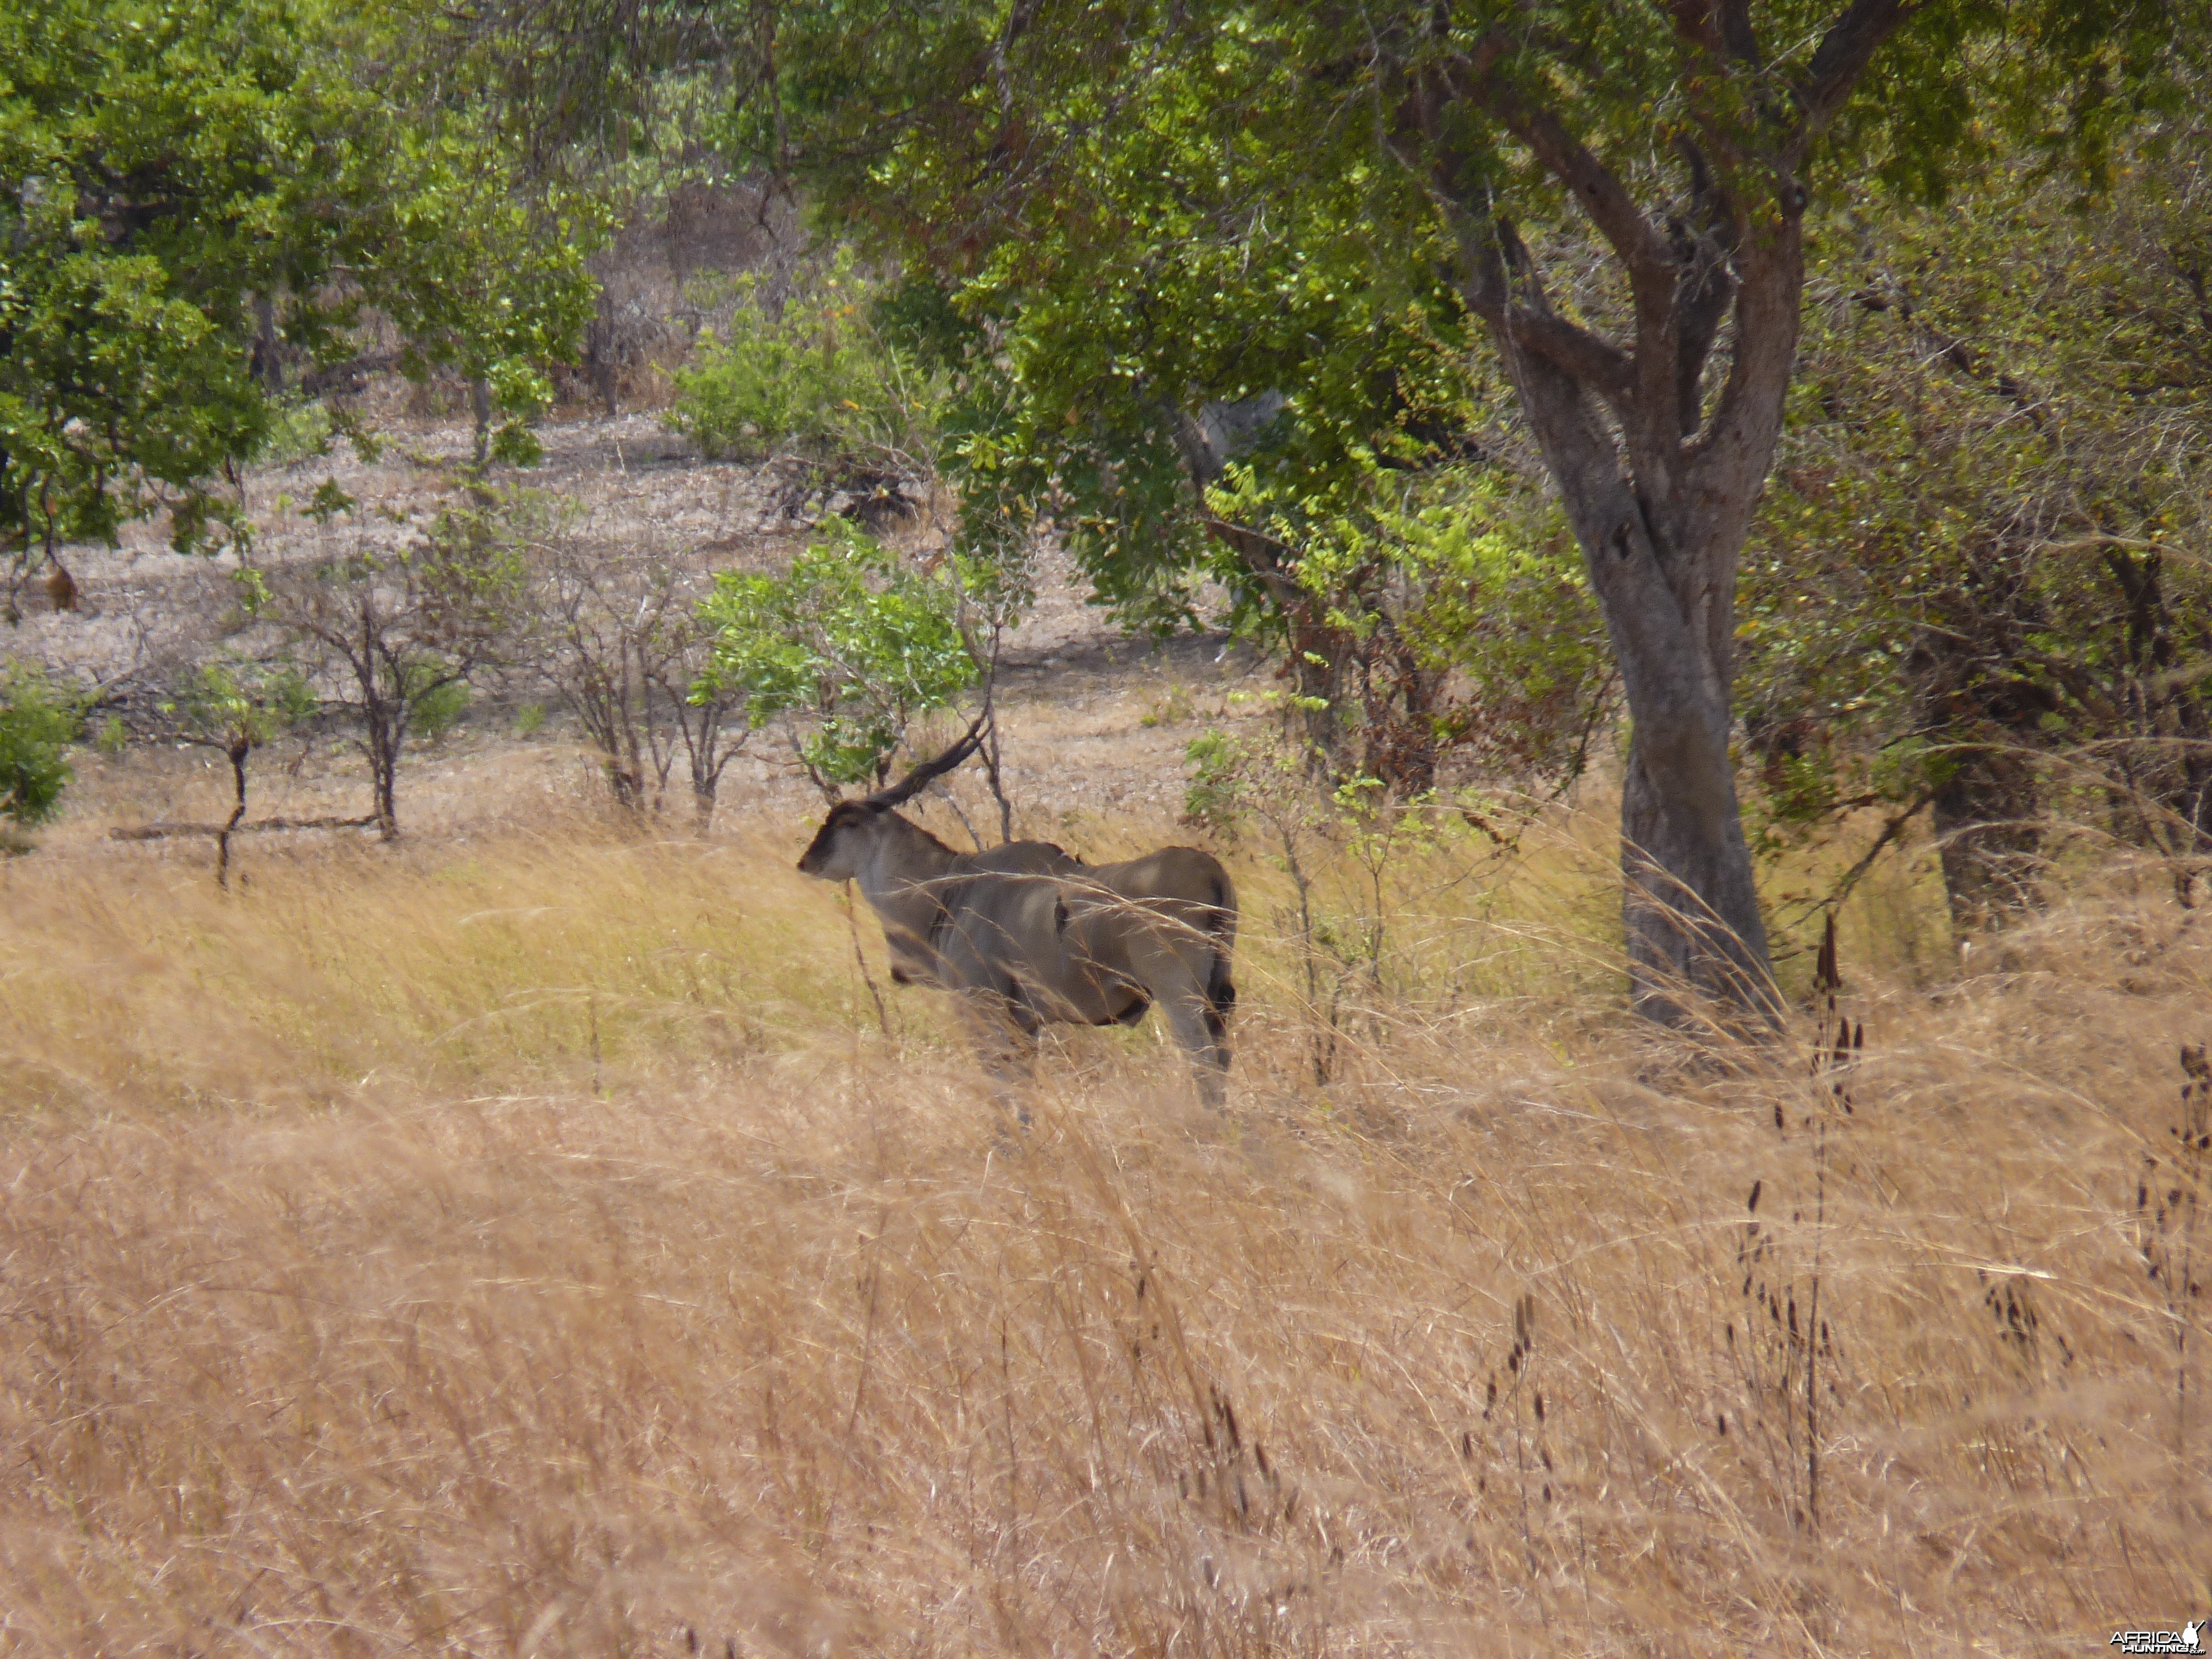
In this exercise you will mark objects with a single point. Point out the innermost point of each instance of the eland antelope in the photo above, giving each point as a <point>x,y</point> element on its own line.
<point>1028,935</point>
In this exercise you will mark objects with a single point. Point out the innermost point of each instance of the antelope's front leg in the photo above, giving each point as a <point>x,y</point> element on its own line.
<point>1005,1035</point>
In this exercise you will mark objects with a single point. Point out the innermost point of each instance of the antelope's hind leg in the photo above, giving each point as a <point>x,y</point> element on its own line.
<point>1202,1034</point>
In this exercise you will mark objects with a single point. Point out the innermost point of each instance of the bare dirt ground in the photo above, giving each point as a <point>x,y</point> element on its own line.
<point>1094,723</point>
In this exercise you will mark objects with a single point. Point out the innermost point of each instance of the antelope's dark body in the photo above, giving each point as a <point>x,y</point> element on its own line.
<point>1027,935</point>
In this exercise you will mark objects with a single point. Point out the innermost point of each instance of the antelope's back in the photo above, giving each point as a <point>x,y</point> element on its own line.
<point>1179,875</point>
<point>1022,858</point>
<point>1181,893</point>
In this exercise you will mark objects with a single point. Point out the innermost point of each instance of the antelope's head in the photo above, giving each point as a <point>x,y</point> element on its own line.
<point>849,836</point>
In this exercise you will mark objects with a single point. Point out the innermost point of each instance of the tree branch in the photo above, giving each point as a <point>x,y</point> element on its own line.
<point>1603,198</point>
<point>1844,54</point>
<point>165,831</point>
<point>1740,439</point>
<point>1645,393</point>
<point>1724,30</point>
<point>1736,33</point>
<point>1263,555</point>
<point>1891,829</point>
<point>1597,363</point>
<point>1412,130</point>
<point>1590,359</point>
<point>1705,284</point>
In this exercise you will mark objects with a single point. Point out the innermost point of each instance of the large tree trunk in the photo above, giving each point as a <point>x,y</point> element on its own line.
<point>1987,836</point>
<point>1986,719</point>
<point>1689,906</point>
<point>2170,773</point>
<point>1660,492</point>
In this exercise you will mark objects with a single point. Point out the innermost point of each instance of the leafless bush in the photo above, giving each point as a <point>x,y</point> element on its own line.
<point>628,650</point>
<point>396,634</point>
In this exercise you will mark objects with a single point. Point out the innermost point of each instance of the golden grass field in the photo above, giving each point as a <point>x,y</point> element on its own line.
<point>533,1244</point>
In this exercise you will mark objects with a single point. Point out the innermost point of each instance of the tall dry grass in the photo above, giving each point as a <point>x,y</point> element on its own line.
<point>533,1247</point>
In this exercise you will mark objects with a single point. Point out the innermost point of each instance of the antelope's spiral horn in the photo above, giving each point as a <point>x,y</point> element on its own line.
<point>929,771</point>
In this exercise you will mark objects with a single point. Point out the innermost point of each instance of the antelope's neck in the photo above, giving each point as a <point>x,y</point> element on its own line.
<point>904,876</point>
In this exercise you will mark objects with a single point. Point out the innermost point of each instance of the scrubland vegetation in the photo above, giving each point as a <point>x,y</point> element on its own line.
<point>1665,546</point>
<point>537,1246</point>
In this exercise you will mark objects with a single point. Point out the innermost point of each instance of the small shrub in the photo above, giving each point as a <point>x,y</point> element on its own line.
<point>394,633</point>
<point>37,722</point>
<point>296,433</point>
<point>328,502</point>
<point>438,706</point>
<point>851,639</point>
<point>235,705</point>
<point>234,702</point>
<point>1173,708</point>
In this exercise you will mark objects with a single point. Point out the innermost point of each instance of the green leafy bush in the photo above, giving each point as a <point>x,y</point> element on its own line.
<point>236,703</point>
<point>295,432</point>
<point>816,377</point>
<point>37,722</point>
<point>850,640</point>
<point>438,702</point>
<point>1434,611</point>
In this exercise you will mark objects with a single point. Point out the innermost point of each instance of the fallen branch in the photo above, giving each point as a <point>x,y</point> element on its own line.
<point>164,831</point>
<point>1891,829</point>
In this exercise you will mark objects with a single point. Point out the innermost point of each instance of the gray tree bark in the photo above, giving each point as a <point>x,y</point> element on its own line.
<point>1661,533</point>
<point>1659,490</point>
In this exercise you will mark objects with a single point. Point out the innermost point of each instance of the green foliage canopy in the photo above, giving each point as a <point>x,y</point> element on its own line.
<point>1141,206</point>
<point>850,637</point>
<point>182,182</point>
<point>1206,276</point>
<point>1139,211</point>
